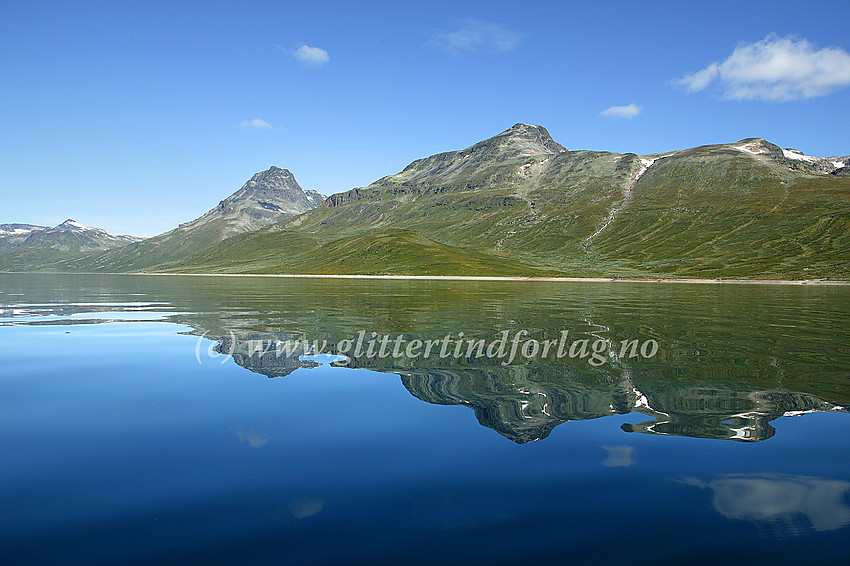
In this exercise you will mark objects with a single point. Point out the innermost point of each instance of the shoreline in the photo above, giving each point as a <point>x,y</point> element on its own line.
<point>818,282</point>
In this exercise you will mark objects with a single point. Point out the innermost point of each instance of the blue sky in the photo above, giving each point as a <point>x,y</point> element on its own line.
<point>137,116</point>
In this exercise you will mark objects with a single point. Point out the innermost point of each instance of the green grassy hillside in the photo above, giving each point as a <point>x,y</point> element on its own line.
<point>718,212</point>
<point>711,211</point>
<point>379,252</point>
<point>521,204</point>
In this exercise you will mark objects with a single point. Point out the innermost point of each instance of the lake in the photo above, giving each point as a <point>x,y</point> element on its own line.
<point>250,420</point>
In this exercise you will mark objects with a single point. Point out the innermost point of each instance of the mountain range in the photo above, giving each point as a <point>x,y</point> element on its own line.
<point>68,236</point>
<point>520,203</point>
<point>27,245</point>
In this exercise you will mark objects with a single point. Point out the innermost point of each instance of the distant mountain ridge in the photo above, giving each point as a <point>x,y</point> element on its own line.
<point>67,236</point>
<point>7,229</point>
<point>27,246</point>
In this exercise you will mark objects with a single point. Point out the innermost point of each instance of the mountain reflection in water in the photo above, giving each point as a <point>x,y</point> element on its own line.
<point>526,402</point>
<point>731,358</point>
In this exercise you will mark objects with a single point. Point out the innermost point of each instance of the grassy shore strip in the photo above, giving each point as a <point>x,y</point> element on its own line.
<point>462,278</point>
<point>493,278</point>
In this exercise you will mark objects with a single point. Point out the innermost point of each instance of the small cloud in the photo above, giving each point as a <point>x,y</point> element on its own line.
<point>311,56</point>
<point>476,35</point>
<point>628,111</point>
<point>252,438</point>
<point>775,68</point>
<point>303,508</point>
<point>256,123</point>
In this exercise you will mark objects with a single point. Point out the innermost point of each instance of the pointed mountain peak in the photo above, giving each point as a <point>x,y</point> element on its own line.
<point>275,170</point>
<point>266,184</point>
<point>521,129</point>
<point>527,139</point>
<point>268,197</point>
<point>274,176</point>
<point>71,224</point>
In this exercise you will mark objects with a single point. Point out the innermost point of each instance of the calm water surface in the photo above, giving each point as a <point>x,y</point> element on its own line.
<point>140,423</point>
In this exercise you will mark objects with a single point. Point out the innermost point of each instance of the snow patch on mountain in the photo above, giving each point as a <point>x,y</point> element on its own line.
<point>644,165</point>
<point>753,148</point>
<point>799,156</point>
<point>641,402</point>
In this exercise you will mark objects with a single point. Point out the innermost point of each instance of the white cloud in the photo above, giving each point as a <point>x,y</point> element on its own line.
<point>256,123</point>
<point>775,68</point>
<point>628,111</point>
<point>476,35</point>
<point>311,56</point>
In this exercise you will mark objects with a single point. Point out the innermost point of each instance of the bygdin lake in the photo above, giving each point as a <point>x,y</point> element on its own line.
<point>505,348</point>
<point>727,445</point>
